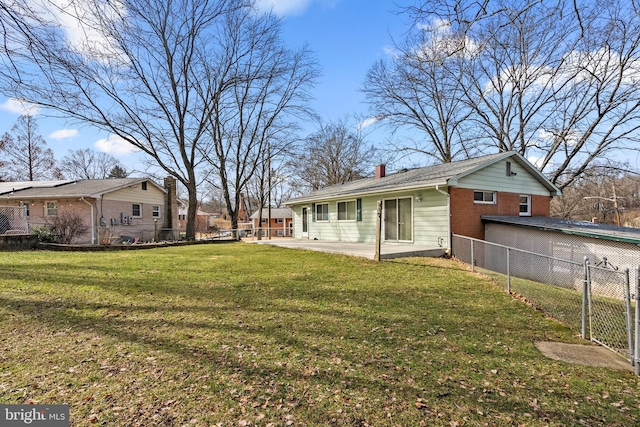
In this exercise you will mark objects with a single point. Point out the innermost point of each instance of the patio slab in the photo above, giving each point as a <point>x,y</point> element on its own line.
<point>364,250</point>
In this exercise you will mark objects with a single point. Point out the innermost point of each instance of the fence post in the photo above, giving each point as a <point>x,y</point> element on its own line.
<point>637,344</point>
<point>585,291</point>
<point>472,257</point>
<point>627,298</point>
<point>508,271</point>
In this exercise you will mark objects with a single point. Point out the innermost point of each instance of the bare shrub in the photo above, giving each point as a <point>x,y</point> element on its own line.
<point>66,226</point>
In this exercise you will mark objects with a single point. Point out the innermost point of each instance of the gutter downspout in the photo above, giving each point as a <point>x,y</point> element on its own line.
<point>93,228</point>
<point>446,193</point>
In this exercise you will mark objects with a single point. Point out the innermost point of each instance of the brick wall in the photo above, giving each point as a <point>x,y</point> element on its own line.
<point>465,214</point>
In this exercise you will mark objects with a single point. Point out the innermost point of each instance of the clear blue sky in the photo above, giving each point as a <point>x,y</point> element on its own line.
<point>348,36</point>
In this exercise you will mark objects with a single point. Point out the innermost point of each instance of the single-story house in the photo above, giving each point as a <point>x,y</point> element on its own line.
<point>281,221</point>
<point>204,220</point>
<point>137,208</point>
<point>426,205</point>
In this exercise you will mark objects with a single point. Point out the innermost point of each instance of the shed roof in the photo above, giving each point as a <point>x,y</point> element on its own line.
<point>276,213</point>
<point>82,188</point>
<point>430,176</point>
<point>578,228</point>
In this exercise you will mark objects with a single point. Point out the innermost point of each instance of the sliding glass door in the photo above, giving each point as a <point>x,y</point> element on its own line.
<point>398,221</point>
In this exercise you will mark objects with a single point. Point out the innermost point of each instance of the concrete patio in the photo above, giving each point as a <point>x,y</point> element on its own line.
<point>364,250</point>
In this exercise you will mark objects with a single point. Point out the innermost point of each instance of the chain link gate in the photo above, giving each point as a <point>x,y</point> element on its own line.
<point>13,220</point>
<point>594,298</point>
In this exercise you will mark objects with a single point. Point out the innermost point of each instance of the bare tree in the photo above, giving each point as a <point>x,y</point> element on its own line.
<point>138,71</point>
<point>555,81</point>
<point>88,164</point>
<point>260,91</point>
<point>416,90</point>
<point>25,153</point>
<point>336,153</point>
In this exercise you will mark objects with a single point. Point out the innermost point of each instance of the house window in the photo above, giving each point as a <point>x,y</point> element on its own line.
<point>280,233</point>
<point>25,210</point>
<point>136,210</point>
<point>347,211</point>
<point>155,211</point>
<point>264,220</point>
<point>525,205</point>
<point>144,185</point>
<point>51,208</point>
<point>279,220</point>
<point>322,212</point>
<point>487,197</point>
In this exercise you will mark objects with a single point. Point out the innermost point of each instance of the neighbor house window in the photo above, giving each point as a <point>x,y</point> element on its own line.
<point>525,205</point>
<point>347,211</point>
<point>280,233</point>
<point>136,210</point>
<point>155,211</point>
<point>484,197</point>
<point>279,220</point>
<point>322,212</point>
<point>144,185</point>
<point>25,210</point>
<point>51,208</point>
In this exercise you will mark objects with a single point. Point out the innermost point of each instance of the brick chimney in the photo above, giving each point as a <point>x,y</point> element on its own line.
<point>380,171</point>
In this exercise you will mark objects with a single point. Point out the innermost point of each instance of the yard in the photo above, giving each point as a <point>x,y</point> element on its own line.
<point>241,335</point>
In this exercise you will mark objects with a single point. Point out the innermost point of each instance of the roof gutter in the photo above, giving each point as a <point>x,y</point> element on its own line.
<point>93,228</point>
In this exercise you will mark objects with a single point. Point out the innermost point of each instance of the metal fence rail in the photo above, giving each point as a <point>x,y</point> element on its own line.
<point>594,299</point>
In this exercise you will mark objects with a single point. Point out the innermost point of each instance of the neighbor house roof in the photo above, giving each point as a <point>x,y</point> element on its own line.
<point>430,176</point>
<point>276,213</point>
<point>578,228</point>
<point>93,188</point>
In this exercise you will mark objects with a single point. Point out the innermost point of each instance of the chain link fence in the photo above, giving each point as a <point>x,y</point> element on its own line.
<point>13,220</point>
<point>557,286</point>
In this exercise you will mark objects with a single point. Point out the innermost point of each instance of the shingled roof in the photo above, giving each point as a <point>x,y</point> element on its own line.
<point>426,177</point>
<point>59,189</point>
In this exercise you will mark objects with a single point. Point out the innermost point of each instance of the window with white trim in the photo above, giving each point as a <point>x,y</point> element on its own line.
<point>322,212</point>
<point>136,210</point>
<point>279,220</point>
<point>25,210</point>
<point>347,211</point>
<point>155,211</point>
<point>525,205</point>
<point>486,197</point>
<point>51,208</point>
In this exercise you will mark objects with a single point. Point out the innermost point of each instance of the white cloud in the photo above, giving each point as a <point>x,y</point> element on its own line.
<point>368,122</point>
<point>284,7</point>
<point>536,161</point>
<point>18,106</point>
<point>81,24</point>
<point>115,145</point>
<point>64,133</point>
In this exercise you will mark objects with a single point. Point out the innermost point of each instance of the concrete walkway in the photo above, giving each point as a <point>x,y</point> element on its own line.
<point>590,355</point>
<point>364,250</point>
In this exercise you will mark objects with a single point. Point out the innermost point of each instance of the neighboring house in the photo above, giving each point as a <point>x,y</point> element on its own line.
<point>204,220</point>
<point>134,207</point>
<point>426,205</point>
<point>281,222</point>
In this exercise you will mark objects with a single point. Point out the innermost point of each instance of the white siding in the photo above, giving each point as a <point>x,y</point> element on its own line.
<point>430,220</point>
<point>135,194</point>
<point>494,178</point>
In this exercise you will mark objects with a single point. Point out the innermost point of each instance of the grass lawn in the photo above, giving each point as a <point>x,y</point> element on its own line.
<point>242,335</point>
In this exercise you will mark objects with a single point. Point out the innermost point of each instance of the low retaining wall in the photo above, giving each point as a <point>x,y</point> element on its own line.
<point>18,242</point>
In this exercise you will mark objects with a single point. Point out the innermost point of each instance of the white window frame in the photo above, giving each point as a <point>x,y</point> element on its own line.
<point>346,203</point>
<point>156,211</point>
<point>133,215</point>
<point>528,204</point>
<point>318,218</point>
<point>279,220</point>
<point>484,200</point>
<point>26,209</point>
<point>48,210</point>
<point>280,233</point>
